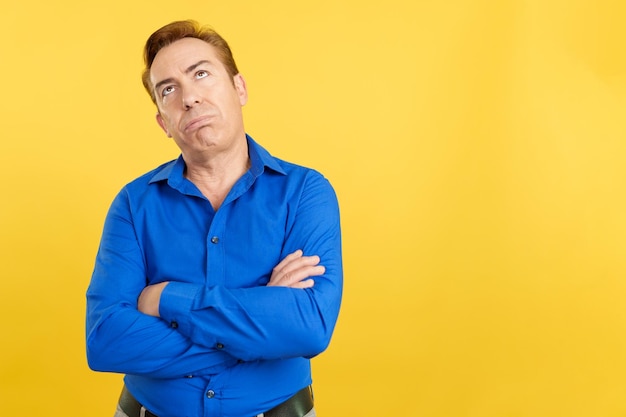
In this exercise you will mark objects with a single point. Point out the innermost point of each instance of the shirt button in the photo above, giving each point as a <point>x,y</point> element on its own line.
<point>174,325</point>
<point>215,239</point>
<point>210,393</point>
<point>219,346</point>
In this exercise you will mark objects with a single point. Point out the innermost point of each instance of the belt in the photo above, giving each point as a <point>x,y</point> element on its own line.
<point>296,406</point>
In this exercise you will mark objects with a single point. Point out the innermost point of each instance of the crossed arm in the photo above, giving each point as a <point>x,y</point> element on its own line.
<point>130,327</point>
<point>295,271</point>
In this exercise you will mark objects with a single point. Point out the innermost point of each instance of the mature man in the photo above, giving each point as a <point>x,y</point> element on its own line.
<point>219,274</point>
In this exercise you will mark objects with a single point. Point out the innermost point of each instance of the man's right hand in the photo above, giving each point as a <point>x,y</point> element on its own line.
<point>296,270</point>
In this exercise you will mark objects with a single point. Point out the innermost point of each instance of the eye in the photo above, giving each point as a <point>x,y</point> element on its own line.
<point>167,90</point>
<point>201,74</point>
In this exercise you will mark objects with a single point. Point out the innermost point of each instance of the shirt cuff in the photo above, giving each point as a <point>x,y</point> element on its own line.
<point>175,304</point>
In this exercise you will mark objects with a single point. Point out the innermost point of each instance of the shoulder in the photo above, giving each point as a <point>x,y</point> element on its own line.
<point>296,172</point>
<point>160,173</point>
<point>309,183</point>
<point>143,185</point>
<point>280,169</point>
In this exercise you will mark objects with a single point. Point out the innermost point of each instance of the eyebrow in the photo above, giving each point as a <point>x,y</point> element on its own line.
<point>187,71</point>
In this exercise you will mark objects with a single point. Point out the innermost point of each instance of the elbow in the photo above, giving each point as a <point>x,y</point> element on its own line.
<point>317,349</point>
<point>96,359</point>
<point>101,356</point>
<point>94,362</point>
<point>318,344</point>
<point>102,360</point>
<point>318,337</point>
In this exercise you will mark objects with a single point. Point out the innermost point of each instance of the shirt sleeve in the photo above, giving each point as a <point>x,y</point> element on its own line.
<point>119,337</point>
<point>264,323</point>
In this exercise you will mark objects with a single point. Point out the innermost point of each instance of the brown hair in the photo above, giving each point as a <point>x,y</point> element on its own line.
<point>178,30</point>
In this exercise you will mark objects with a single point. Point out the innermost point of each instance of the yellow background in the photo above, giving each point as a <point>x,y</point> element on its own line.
<point>477,148</point>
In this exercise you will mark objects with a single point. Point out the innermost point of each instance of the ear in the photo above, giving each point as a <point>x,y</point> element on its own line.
<point>240,86</point>
<point>161,123</point>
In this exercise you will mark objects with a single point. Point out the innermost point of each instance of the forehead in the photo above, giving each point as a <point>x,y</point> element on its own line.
<point>179,55</point>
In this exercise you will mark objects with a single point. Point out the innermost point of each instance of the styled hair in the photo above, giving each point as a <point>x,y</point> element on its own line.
<point>178,30</point>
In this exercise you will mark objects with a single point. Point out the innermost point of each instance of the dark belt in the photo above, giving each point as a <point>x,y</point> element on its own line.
<point>296,406</point>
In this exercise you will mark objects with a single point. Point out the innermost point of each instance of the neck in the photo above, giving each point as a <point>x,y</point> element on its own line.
<point>215,175</point>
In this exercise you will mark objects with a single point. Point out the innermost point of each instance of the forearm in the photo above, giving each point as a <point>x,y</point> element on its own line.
<point>254,323</point>
<point>126,341</point>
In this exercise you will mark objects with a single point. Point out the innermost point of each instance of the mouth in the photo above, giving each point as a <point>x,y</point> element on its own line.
<point>196,123</point>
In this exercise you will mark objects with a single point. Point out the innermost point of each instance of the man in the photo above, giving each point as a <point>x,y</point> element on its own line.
<point>219,274</point>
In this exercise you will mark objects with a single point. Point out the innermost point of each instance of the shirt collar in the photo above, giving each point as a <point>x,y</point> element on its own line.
<point>259,160</point>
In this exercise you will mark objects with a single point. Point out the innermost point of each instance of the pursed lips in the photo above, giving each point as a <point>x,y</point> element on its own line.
<point>197,122</point>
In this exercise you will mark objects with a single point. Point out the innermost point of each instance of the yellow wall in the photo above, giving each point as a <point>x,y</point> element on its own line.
<point>477,147</point>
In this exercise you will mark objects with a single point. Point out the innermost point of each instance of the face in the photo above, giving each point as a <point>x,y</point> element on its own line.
<point>199,103</point>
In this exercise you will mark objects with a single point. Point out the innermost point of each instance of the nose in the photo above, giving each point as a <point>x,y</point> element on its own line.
<point>190,98</point>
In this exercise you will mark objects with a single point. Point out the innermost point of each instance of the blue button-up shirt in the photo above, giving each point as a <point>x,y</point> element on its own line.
<point>225,344</point>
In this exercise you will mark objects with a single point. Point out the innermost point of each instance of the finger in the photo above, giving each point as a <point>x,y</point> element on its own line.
<point>299,263</point>
<point>299,275</point>
<point>307,283</point>
<point>288,259</point>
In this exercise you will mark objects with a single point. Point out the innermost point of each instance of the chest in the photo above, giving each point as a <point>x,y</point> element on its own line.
<point>236,246</point>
